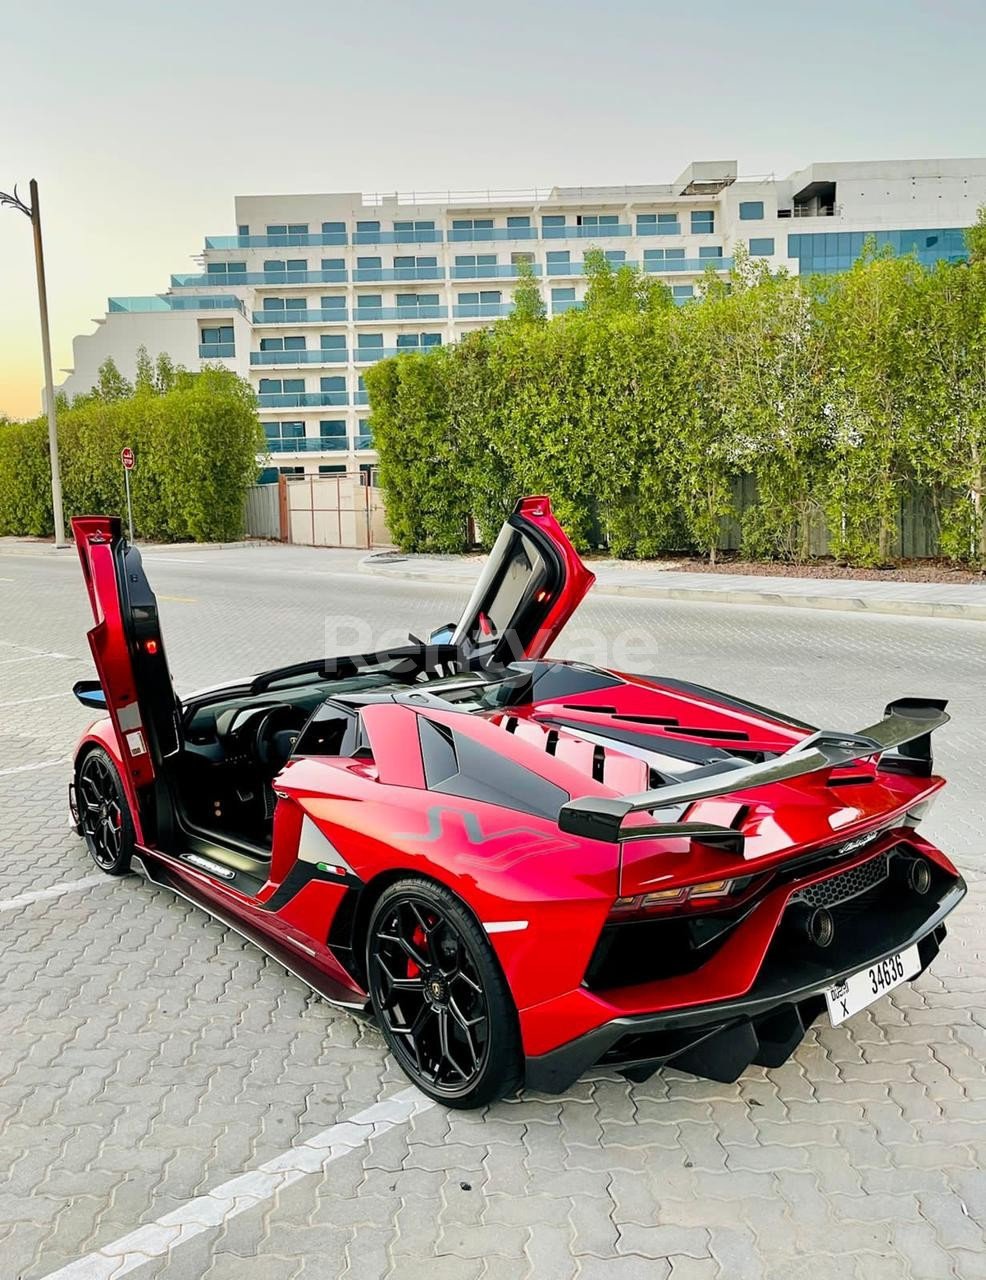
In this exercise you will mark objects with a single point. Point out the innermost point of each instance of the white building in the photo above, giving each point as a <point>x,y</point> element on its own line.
<point>313,288</point>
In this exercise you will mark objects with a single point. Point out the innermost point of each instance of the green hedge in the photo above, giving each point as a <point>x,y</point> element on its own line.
<point>195,436</point>
<point>839,396</point>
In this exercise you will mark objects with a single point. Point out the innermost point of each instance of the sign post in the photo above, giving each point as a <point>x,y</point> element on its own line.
<point>128,460</point>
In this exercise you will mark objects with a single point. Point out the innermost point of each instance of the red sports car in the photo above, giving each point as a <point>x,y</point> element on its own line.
<point>522,867</point>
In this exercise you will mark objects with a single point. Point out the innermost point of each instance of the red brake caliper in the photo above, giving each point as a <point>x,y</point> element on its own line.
<point>418,938</point>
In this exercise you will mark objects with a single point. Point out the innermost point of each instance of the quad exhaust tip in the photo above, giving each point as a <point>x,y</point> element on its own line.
<point>919,876</point>
<point>820,927</point>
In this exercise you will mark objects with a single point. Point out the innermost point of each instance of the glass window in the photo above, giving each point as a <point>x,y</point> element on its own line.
<point>751,210</point>
<point>667,219</point>
<point>271,344</point>
<point>468,299</point>
<point>333,228</point>
<point>368,264</point>
<point>334,302</point>
<point>521,256</point>
<point>243,229</point>
<point>276,228</point>
<point>369,300</point>
<point>332,341</point>
<point>558,255</point>
<point>336,383</point>
<point>616,257</point>
<point>703,222</point>
<point>762,247</point>
<point>224,333</point>
<point>564,294</point>
<point>553,220</point>
<point>330,470</point>
<point>597,220</point>
<point>674,253</point>
<point>368,226</point>
<point>225,268</point>
<point>710,251</point>
<point>374,340</point>
<point>293,384</point>
<point>273,304</point>
<point>646,219</point>
<point>295,304</point>
<point>471,224</point>
<point>333,426</point>
<point>297,228</point>
<point>407,339</point>
<point>488,296</point>
<point>682,291</point>
<point>333,264</point>
<point>519,220</point>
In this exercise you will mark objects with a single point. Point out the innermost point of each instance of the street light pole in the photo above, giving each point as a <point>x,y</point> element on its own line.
<point>33,211</point>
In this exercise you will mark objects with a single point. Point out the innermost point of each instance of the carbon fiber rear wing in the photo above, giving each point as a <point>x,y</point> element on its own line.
<point>907,724</point>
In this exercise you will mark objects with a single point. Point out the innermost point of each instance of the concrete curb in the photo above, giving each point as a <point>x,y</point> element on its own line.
<point>901,608</point>
<point>47,549</point>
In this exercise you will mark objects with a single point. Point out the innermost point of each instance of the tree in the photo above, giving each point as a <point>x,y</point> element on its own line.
<point>196,449</point>
<point>948,416</point>
<point>621,289</point>
<point>869,313</point>
<point>144,383</point>
<point>110,383</point>
<point>529,305</point>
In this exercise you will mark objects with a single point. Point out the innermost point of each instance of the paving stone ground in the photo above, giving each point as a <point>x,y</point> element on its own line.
<point>148,1055</point>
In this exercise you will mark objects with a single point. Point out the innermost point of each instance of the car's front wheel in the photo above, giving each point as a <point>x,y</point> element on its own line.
<point>440,996</point>
<point>104,815</point>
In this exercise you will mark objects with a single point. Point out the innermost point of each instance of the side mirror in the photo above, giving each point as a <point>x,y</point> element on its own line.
<point>90,694</point>
<point>443,635</point>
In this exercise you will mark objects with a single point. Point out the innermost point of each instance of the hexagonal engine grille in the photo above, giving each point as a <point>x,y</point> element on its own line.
<point>845,885</point>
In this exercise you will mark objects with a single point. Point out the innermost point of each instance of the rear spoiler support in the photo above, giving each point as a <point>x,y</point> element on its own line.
<point>908,723</point>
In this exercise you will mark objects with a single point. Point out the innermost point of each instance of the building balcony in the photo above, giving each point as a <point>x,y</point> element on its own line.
<point>288,240</point>
<point>369,355</point>
<point>491,271</point>
<point>397,237</point>
<point>670,265</point>
<point>477,310</point>
<point>159,302</point>
<point>289,316</point>
<point>462,235</point>
<point>309,444</point>
<point>232,280</point>
<point>298,399</point>
<point>363,442</point>
<point>575,232</point>
<point>400,313</point>
<point>361,397</point>
<point>570,304</point>
<point>216,350</point>
<point>315,355</point>
<point>376,274</point>
<point>578,268</point>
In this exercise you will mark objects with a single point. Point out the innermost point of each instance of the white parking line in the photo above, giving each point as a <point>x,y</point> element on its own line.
<point>53,891</point>
<point>29,768</point>
<point>244,1192</point>
<point>42,697</point>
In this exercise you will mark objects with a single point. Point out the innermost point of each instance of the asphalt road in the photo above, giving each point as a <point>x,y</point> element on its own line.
<point>160,1076</point>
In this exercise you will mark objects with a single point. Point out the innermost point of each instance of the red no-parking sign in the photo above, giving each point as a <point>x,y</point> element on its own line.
<point>127,458</point>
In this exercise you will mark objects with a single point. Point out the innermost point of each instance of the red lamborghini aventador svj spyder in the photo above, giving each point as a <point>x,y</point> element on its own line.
<point>521,867</point>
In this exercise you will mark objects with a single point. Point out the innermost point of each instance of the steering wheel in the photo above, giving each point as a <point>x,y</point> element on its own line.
<point>275,735</point>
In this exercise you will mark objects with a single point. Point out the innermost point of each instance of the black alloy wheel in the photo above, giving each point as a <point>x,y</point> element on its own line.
<point>104,814</point>
<point>440,997</point>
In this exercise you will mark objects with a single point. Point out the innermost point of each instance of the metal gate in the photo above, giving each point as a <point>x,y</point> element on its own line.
<point>341,510</point>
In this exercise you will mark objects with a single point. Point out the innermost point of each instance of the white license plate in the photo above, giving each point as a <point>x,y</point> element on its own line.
<point>847,998</point>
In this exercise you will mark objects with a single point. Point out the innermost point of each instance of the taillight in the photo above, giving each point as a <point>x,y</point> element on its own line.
<point>707,889</point>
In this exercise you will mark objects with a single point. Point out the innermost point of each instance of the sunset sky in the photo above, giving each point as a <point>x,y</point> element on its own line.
<point>141,122</point>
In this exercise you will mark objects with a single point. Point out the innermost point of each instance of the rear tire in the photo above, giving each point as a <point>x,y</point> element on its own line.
<point>440,997</point>
<point>104,814</point>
